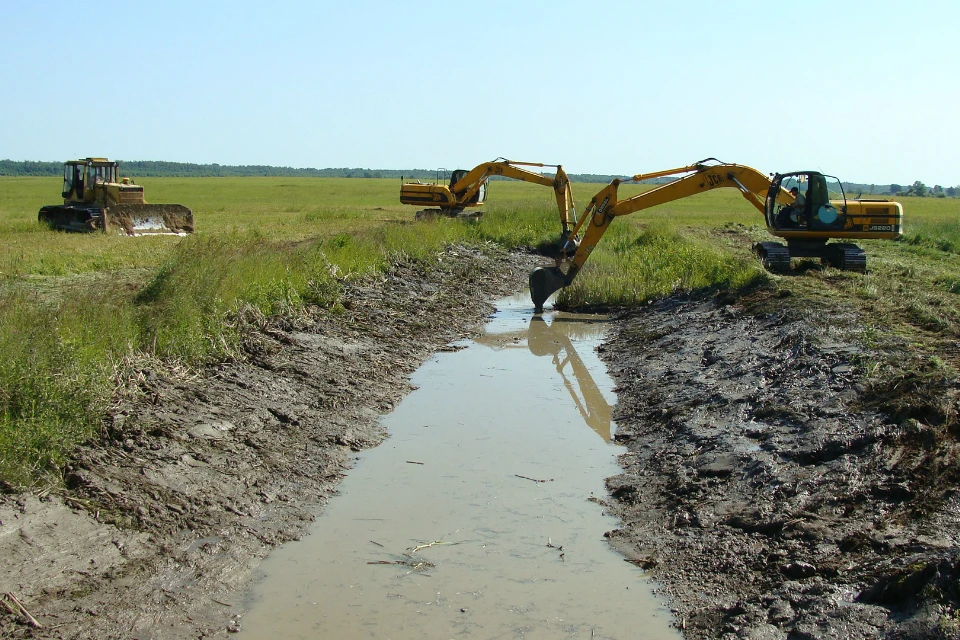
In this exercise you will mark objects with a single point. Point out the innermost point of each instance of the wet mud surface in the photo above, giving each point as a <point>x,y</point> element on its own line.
<point>769,487</point>
<point>765,487</point>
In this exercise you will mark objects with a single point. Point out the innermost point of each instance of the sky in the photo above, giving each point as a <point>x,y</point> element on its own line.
<point>866,91</point>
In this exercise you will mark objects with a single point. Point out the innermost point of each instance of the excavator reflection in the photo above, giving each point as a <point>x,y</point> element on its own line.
<point>556,339</point>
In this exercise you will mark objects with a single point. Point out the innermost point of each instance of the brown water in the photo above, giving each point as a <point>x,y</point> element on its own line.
<point>474,519</point>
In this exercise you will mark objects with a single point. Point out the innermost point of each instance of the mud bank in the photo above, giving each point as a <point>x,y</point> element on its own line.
<point>771,490</point>
<point>198,478</point>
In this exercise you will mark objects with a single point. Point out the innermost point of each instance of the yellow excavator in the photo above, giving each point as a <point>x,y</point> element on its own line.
<point>805,208</point>
<point>95,198</point>
<point>467,190</point>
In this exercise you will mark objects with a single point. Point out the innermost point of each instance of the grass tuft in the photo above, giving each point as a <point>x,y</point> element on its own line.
<point>630,268</point>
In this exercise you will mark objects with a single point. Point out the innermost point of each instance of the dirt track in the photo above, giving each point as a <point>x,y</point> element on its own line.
<point>765,487</point>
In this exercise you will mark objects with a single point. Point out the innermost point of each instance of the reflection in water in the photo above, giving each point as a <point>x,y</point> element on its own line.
<point>474,518</point>
<point>555,339</point>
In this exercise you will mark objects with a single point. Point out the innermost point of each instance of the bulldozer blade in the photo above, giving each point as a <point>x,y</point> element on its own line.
<point>148,219</point>
<point>544,282</point>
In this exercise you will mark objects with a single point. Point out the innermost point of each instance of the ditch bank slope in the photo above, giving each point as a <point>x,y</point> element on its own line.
<point>197,478</point>
<point>773,491</point>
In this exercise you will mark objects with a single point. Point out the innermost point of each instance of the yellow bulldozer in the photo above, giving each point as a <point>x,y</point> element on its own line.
<point>95,198</point>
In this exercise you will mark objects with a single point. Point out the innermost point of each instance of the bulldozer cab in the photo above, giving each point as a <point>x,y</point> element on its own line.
<point>80,178</point>
<point>819,202</point>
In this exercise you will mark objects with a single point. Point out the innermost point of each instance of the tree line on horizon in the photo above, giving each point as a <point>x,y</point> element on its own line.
<point>162,169</point>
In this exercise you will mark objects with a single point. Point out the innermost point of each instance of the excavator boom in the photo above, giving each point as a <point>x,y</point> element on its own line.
<point>701,177</point>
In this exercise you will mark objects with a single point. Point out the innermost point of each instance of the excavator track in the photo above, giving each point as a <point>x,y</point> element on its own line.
<point>774,256</point>
<point>846,256</point>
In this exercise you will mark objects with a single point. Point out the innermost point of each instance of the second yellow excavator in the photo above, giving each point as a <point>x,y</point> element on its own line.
<point>467,189</point>
<point>805,208</point>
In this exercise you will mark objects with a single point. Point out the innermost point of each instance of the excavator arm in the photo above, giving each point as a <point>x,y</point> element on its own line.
<point>605,206</point>
<point>466,189</point>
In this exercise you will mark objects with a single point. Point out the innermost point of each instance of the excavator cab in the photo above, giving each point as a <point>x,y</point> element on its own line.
<point>808,209</point>
<point>477,198</point>
<point>819,203</point>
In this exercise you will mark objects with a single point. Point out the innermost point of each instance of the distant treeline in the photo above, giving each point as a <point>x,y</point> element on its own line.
<point>158,169</point>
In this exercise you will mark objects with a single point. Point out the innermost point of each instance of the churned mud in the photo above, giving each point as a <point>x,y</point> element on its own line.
<point>772,491</point>
<point>771,488</point>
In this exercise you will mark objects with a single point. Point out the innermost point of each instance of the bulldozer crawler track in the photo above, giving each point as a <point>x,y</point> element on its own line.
<point>71,218</point>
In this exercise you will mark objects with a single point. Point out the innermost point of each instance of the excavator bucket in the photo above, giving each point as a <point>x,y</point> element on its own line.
<point>128,219</point>
<point>544,282</point>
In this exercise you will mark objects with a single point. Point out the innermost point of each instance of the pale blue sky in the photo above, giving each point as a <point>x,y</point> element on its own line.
<point>867,91</point>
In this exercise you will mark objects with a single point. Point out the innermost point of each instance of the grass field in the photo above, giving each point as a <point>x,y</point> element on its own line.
<point>77,310</point>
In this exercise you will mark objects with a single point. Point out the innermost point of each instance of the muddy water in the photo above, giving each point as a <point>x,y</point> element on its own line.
<point>474,519</point>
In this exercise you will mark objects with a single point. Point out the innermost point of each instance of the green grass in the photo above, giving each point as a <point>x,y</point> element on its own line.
<point>636,265</point>
<point>54,379</point>
<point>76,309</point>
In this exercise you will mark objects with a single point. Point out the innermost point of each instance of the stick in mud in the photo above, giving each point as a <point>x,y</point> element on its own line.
<point>33,621</point>
<point>416,565</point>
<point>427,546</point>
<point>10,608</point>
<point>534,479</point>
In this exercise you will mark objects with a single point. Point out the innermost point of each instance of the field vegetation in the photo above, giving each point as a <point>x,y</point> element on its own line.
<point>79,314</point>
